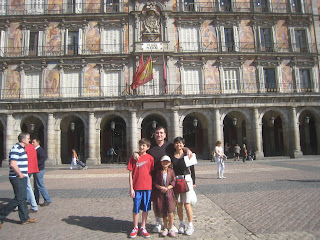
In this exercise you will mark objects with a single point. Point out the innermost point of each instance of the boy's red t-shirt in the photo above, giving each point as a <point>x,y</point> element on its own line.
<point>141,171</point>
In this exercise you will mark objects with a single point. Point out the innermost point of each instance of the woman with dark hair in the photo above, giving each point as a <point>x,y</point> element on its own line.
<point>188,174</point>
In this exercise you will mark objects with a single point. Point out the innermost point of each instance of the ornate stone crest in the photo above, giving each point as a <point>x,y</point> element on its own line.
<point>151,22</point>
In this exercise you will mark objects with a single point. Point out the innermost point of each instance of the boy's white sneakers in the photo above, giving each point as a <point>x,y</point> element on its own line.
<point>157,228</point>
<point>181,228</point>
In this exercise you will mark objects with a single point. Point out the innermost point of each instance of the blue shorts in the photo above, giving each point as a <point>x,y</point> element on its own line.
<point>142,201</point>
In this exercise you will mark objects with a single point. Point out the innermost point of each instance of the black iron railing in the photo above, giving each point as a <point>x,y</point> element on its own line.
<point>61,8</point>
<point>241,6</point>
<point>96,91</point>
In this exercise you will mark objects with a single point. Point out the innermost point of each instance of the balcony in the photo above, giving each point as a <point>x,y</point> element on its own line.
<point>98,92</point>
<point>48,50</point>
<point>241,6</point>
<point>61,8</point>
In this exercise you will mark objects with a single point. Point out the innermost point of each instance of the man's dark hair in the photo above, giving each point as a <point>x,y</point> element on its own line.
<point>161,127</point>
<point>23,136</point>
<point>37,140</point>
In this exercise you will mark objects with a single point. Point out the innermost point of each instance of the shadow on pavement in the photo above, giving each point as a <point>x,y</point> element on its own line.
<point>304,181</point>
<point>105,224</point>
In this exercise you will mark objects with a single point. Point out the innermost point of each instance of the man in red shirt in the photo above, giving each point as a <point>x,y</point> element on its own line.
<point>32,168</point>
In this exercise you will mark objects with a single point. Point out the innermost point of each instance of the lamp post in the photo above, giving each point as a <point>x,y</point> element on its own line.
<point>32,127</point>
<point>307,120</point>
<point>72,126</point>
<point>154,124</point>
<point>195,122</point>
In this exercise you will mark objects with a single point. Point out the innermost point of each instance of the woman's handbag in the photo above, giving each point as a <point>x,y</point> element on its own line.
<point>180,186</point>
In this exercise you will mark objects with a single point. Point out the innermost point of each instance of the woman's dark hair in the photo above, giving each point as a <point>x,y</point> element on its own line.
<point>179,139</point>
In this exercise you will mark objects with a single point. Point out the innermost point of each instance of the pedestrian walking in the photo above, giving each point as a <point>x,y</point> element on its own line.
<point>220,159</point>
<point>244,153</point>
<point>236,150</point>
<point>140,183</point>
<point>164,204</point>
<point>39,187</point>
<point>18,162</point>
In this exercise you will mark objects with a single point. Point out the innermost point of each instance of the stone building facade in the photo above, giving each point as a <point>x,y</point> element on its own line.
<point>244,72</point>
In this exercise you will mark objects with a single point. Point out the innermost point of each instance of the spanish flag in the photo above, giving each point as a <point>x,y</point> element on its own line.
<point>143,75</point>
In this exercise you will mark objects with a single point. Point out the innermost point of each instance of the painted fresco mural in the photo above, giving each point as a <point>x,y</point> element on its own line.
<point>287,76</point>
<point>13,82</point>
<point>53,39</point>
<point>14,40</point>
<point>279,6</point>
<point>55,6</point>
<point>16,7</point>
<point>282,35</point>
<point>246,36</point>
<point>93,6</point>
<point>249,77</point>
<point>206,6</point>
<point>209,37</point>
<point>52,81</point>
<point>212,79</point>
<point>92,79</point>
<point>92,38</point>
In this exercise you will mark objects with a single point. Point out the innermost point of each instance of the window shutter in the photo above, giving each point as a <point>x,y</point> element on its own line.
<point>314,79</point>
<point>261,79</point>
<point>279,78</point>
<point>223,39</point>
<point>2,43</point>
<point>80,44</point>
<point>309,40</point>
<point>236,39</point>
<point>66,41</point>
<point>3,5</point>
<point>191,81</point>
<point>110,83</point>
<point>26,42</point>
<point>302,6</point>
<point>111,41</point>
<point>78,6</point>
<point>274,39</point>
<point>293,39</point>
<point>297,78</point>
<point>40,44</point>
<point>70,84</point>
<point>222,79</point>
<point>31,85</point>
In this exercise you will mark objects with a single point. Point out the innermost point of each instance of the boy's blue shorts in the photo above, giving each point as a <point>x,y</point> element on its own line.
<point>142,201</point>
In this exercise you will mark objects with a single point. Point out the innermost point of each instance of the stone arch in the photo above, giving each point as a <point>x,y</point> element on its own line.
<point>155,112</point>
<point>108,114</point>
<point>64,115</point>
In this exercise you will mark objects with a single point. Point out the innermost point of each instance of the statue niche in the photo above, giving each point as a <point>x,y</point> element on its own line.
<point>151,24</point>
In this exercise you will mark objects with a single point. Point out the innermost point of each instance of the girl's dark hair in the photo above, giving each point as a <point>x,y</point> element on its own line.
<point>179,139</point>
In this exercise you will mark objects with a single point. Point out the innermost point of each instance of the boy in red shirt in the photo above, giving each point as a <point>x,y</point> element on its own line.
<point>140,182</point>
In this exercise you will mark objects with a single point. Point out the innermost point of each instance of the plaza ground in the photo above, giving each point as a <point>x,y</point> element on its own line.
<point>276,198</point>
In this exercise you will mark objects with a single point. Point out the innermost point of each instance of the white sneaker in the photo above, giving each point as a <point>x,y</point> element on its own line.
<point>181,228</point>
<point>190,230</point>
<point>175,229</point>
<point>157,228</point>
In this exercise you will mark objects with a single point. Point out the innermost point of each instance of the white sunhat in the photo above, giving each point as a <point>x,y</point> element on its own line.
<point>165,158</point>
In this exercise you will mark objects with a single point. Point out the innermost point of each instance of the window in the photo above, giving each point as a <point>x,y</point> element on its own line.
<point>153,87</point>
<point>229,41</point>
<point>189,39</point>
<point>231,81</point>
<point>261,5</point>
<point>270,80</point>
<point>33,43</point>
<point>300,40</point>
<point>265,40</point>
<point>191,81</point>
<point>30,85</point>
<point>73,42</point>
<point>112,6</point>
<point>70,84</point>
<point>3,7</point>
<point>110,85</point>
<point>225,5</point>
<point>305,80</point>
<point>35,7</point>
<point>296,6</point>
<point>73,6</point>
<point>189,5</point>
<point>112,41</point>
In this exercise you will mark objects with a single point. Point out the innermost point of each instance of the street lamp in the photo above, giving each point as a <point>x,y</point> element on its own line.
<point>307,120</point>
<point>234,121</point>
<point>154,124</point>
<point>195,122</point>
<point>271,120</point>
<point>72,125</point>
<point>32,127</point>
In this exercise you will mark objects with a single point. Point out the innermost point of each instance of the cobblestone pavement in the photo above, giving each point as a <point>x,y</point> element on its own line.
<point>267,199</point>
